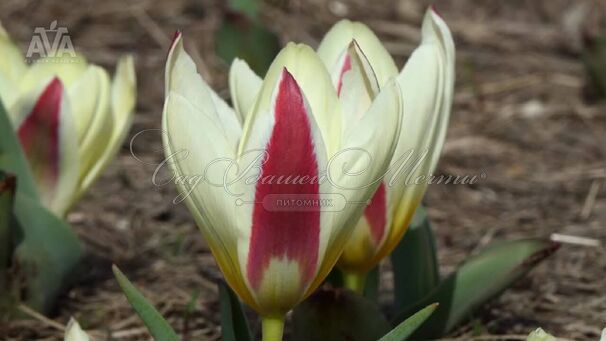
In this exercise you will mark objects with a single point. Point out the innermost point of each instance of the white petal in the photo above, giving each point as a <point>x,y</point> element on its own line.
<point>427,82</point>
<point>73,332</point>
<point>12,69</point>
<point>342,34</point>
<point>244,85</point>
<point>303,63</point>
<point>123,98</point>
<point>182,78</point>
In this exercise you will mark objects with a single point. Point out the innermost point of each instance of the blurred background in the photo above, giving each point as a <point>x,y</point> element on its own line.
<point>528,113</point>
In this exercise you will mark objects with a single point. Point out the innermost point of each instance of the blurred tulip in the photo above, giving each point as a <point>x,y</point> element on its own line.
<point>360,67</point>
<point>73,332</point>
<point>69,116</point>
<point>274,258</point>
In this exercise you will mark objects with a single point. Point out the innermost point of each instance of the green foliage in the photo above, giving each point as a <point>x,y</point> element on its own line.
<point>155,323</point>
<point>249,40</point>
<point>337,314</point>
<point>250,8</point>
<point>40,250</point>
<point>414,262</point>
<point>234,325</point>
<point>46,254</point>
<point>405,329</point>
<point>12,159</point>
<point>7,195</point>
<point>479,279</point>
<point>594,58</point>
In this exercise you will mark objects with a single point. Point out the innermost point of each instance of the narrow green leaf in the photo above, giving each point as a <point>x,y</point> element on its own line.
<point>12,159</point>
<point>415,263</point>
<point>338,314</point>
<point>406,328</point>
<point>155,323</point>
<point>46,254</point>
<point>234,326</point>
<point>476,281</point>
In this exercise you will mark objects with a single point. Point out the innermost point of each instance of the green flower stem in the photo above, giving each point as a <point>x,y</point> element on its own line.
<point>354,281</point>
<point>273,327</point>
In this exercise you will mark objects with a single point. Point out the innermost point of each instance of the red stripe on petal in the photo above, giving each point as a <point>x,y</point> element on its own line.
<point>39,133</point>
<point>290,235</point>
<point>376,214</point>
<point>346,67</point>
<point>435,10</point>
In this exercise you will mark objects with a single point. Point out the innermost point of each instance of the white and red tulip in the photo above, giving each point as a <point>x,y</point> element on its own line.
<point>274,258</point>
<point>69,116</point>
<point>360,67</point>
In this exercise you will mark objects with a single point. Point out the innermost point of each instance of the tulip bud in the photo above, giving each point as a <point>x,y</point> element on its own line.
<point>360,67</point>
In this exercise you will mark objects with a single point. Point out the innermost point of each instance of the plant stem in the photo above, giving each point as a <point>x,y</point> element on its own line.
<point>273,328</point>
<point>354,281</point>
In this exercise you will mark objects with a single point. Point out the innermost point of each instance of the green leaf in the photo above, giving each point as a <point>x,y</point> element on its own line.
<point>337,314</point>
<point>8,183</point>
<point>476,281</point>
<point>250,8</point>
<point>406,328</point>
<point>155,323</point>
<point>12,159</point>
<point>414,262</point>
<point>234,325</point>
<point>7,194</point>
<point>46,255</point>
<point>248,40</point>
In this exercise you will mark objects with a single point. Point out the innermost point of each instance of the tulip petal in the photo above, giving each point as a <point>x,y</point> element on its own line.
<point>12,68</point>
<point>191,124</point>
<point>73,332</point>
<point>368,148</point>
<point>95,137</point>
<point>305,66</point>
<point>215,212</point>
<point>68,72</point>
<point>182,78</point>
<point>427,83</point>
<point>244,85</point>
<point>283,251</point>
<point>337,40</point>
<point>357,86</point>
<point>45,130</point>
<point>376,214</point>
<point>123,97</point>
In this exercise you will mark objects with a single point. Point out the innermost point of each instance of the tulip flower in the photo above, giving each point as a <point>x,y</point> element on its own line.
<point>69,116</point>
<point>73,332</point>
<point>274,257</point>
<point>360,66</point>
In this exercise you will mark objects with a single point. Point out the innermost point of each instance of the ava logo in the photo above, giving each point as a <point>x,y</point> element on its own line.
<point>53,44</point>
